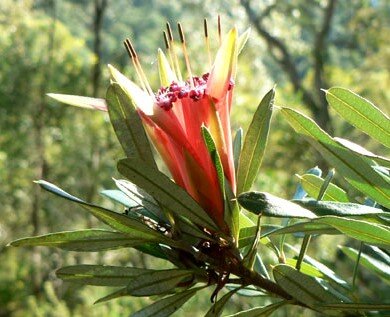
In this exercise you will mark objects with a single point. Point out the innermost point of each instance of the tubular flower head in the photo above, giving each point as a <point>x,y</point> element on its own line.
<point>173,118</point>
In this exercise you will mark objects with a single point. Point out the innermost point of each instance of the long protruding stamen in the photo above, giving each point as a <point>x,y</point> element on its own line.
<point>131,55</point>
<point>183,43</point>
<point>172,45</point>
<point>169,50</point>
<point>206,36</point>
<point>138,66</point>
<point>219,30</point>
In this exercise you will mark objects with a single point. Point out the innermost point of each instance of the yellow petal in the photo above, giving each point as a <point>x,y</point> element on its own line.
<point>140,98</point>
<point>224,66</point>
<point>167,76</point>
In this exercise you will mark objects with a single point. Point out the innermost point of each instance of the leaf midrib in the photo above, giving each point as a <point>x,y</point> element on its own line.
<point>360,114</point>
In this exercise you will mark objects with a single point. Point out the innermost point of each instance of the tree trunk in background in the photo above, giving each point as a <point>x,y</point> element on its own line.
<point>99,10</point>
<point>100,7</point>
<point>38,122</point>
<point>312,97</point>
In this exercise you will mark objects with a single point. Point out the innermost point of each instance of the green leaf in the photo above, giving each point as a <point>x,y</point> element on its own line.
<point>309,227</point>
<point>327,272</point>
<point>302,287</point>
<point>353,167</point>
<point>168,305</point>
<point>245,222</point>
<point>82,102</point>
<point>261,311</point>
<point>379,254</point>
<point>312,185</point>
<point>151,283</point>
<point>356,306</point>
<point>332,208</point>
<point>247,234</point>
<point>254,144</point>
<point>361,230</point>
<point>249,258</point>
<point>127,125</point>
<point>217,309</point>
<point>232,212</point>
<point>237,146</point>
<point>81,240</point>
<point>168,194</point>
<point>361,113</point>
<point>131,227</point>
<point>380,268</point>
<point>247,291</point>
<point>119,197</point>
<point>139,196</point>
<point>272,206</point>
<point>210,144</point>
<point>305,268</point>
<point>99,275</point>
<point>362,151</point>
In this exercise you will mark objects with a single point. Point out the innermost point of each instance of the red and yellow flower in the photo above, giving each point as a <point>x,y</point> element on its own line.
<point>173,118</point>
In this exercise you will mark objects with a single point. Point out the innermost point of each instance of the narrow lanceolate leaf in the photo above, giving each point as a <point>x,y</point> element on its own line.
<point>81,240</point>
<point>378,267</point>
<point>362,151</point>
<point>232,212</point>
<point>210,144</point>
<point>119,197</point>
<point>327,272</point>
<point>131,227</point>
<point>309,227</point>
<point>300,193</point>
<point>217,309</point>
<point>158,282</point>
<point>356,307</point>
<point>237,145</point>
<point>361,230</point>
<point>261,311</point>
<point>361,113</point>
<point>152,283</point>
<point>247,234</point>
<point>169,195</point>
<point>305,268</point>
<point>353,167</point>
<point>82,102</point>
<point>333,208</point>
<point>272,206</point>
<point>312,185</point>
<point>168,305</point>
<point>138,196</point>
<point>302,287</point>
<point>127,125</point>
<point>254,144</point>
<point>99,275</point>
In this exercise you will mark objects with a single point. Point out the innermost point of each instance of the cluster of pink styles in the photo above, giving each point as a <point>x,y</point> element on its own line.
<point>166,96</point>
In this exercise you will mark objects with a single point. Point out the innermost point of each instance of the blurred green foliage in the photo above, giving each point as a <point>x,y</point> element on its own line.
<point>46,46</point>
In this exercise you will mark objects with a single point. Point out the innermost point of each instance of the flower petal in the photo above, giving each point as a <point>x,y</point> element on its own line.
<point>80,101</point>
<point>167,76</point>
<point>224,66</point>
<point>242,39</point>
<point>140,98</point>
